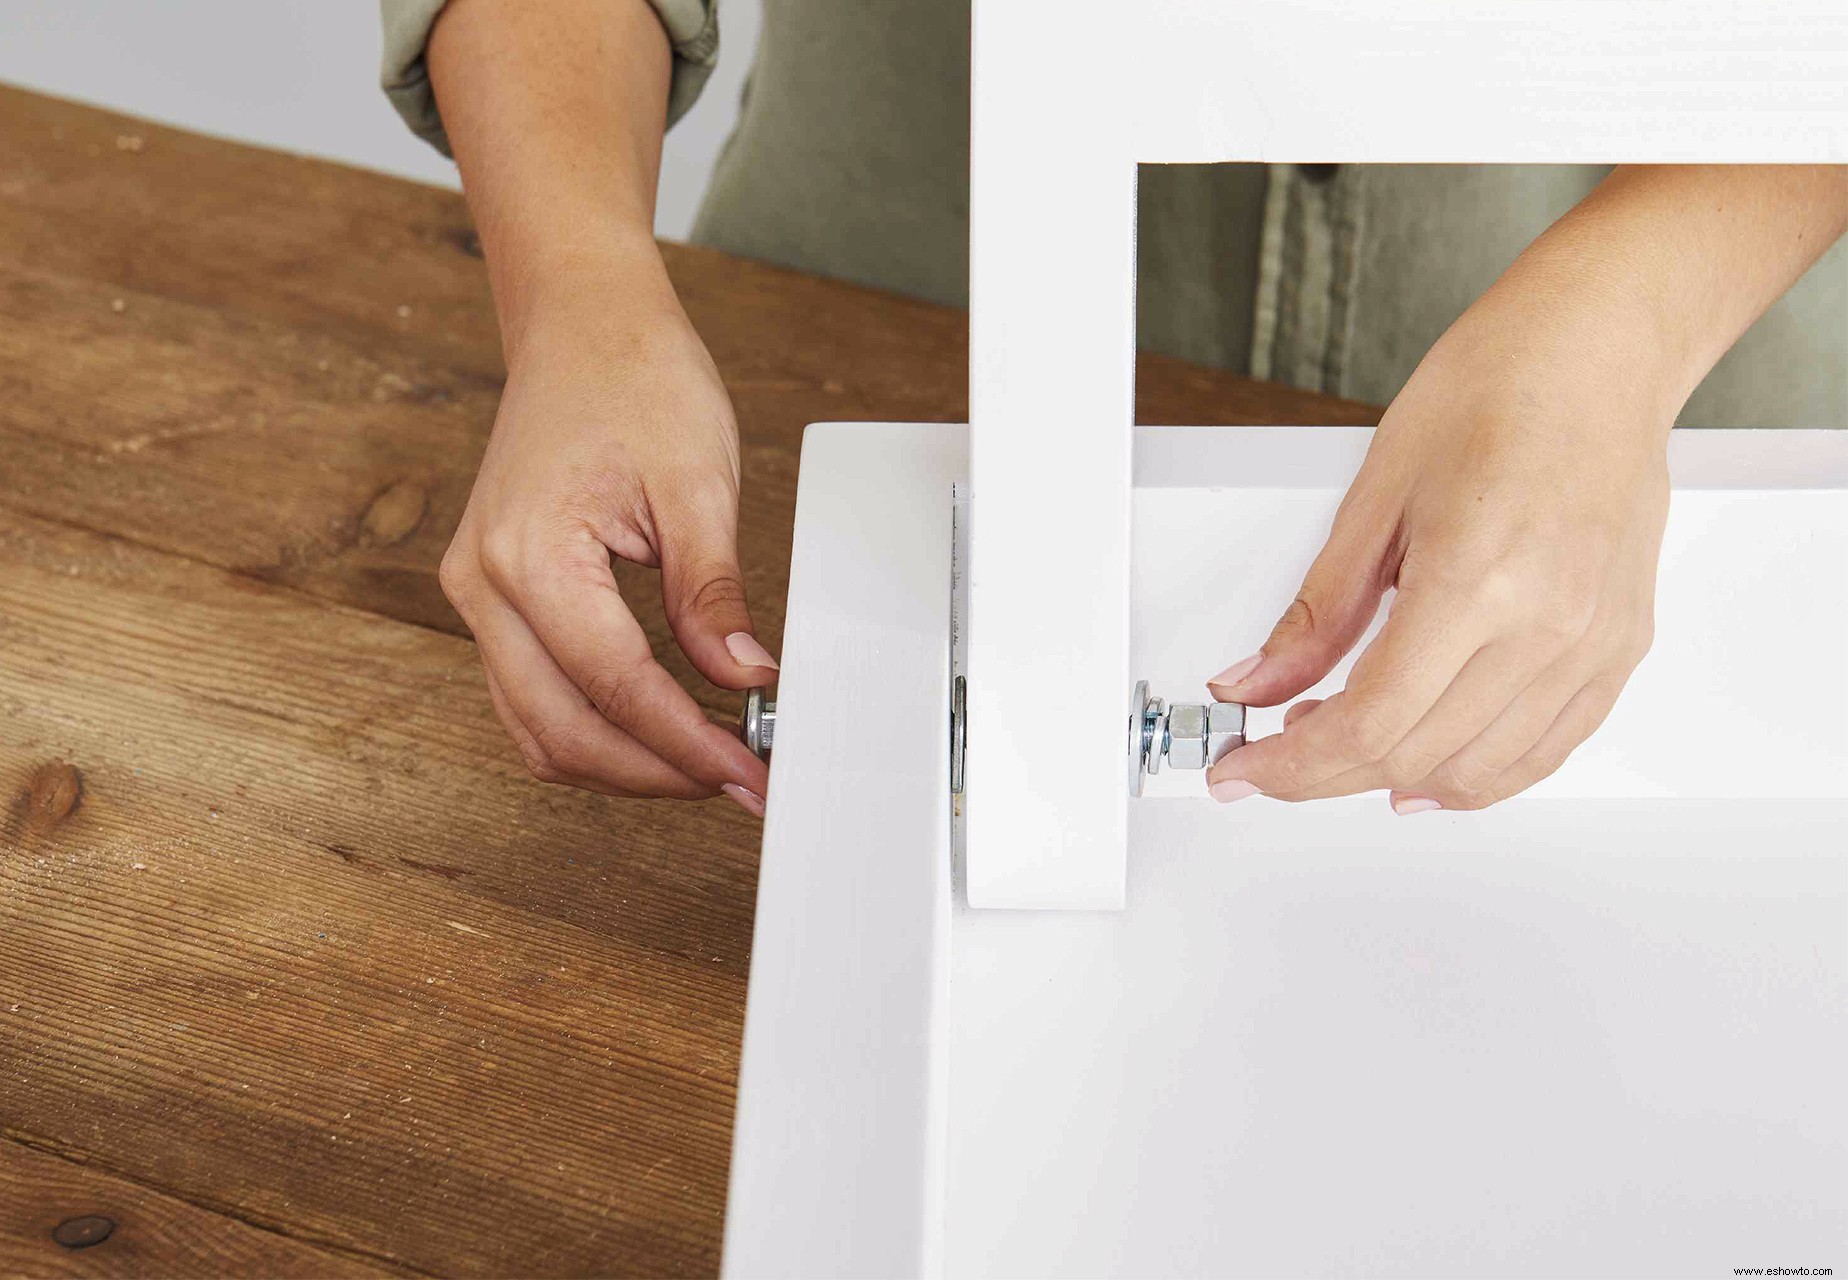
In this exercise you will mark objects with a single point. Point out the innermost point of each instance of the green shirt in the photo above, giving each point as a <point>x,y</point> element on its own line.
<point>851,159</point>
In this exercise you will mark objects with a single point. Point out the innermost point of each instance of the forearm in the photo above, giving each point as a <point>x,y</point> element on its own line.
<point>1662,268</point>
<point>555,112</point>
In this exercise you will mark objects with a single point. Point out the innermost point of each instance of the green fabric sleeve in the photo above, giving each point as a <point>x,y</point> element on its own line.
<point>692,29</point>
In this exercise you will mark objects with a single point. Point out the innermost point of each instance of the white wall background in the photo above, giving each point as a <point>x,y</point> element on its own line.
<point>301,75</point>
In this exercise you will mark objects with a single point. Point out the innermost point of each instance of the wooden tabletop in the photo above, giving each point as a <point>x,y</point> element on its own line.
<point>300,974</point>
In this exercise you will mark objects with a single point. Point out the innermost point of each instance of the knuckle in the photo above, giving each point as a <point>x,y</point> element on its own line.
<point>1548,603</point>
<point>1498,590</point>
<point>1285,771</point>
<point>1636,644</point>
<point>501,556</point>
<point>1567,614</point>
<point>516,555</point>
<point>560,752</point>
<point>723,593</point>
<point>1544,765</point>
<point>1369,736</point>
<point>1278,780</point>
<point>1462,779</point>
<point>546,771</point>
<point>1538,768</point>
<point>1408,763</point>
<point>539,764</point>
<point>1298,619</point>
<point>613,692</point>
<point>1507,788</point>
<point>457,576</point>
<point>1274,776</point>
<point>709,489</point>
<point>1302,626</point>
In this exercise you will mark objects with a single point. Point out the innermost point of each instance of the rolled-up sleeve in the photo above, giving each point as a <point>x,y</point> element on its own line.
<point>692,29</point>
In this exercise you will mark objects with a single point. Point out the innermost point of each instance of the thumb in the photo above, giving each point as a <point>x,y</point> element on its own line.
<point>1339,597</point>
<point>702,589</point>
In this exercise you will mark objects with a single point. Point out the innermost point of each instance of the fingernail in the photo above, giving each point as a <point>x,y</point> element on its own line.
<point>747,652</point>
<point>1238,670</point>
<point>1405,806</point>
<point>1231,789</point>
<point>749,801</point>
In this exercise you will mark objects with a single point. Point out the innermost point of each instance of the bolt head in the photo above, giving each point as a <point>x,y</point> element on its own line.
<point>758,724</point>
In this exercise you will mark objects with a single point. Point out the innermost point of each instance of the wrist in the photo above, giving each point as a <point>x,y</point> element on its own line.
<point>577,286</point>
<point>1573,325</point>
<point>1622,308</point>
<point>1661,269</point>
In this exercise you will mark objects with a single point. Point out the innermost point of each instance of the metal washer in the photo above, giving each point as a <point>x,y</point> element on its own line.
<point>1135,752</point>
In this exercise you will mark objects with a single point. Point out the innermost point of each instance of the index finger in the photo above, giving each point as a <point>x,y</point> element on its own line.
<point>1427,640</point>
<point>575,609</point>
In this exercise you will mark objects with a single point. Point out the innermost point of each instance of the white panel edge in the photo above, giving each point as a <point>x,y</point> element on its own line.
<point>837,1151</point>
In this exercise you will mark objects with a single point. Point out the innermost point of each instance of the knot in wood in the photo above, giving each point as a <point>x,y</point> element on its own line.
<point>394,515</point>
<point>83,1231</point>
<point>51,795</point>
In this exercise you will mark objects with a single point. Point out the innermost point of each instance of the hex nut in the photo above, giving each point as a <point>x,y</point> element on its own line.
<point>1187,736</point>
<point>1225,729</point>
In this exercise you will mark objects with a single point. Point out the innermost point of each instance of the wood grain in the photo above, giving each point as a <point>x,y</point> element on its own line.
<point>335,326</point>
<point>308,942</point>
<point>66,1219</point>
<point>299,973</point>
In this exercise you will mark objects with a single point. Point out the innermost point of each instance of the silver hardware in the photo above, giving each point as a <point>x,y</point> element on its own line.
<point>959,688</point>
<point>1154,734</point>
<point>959,732</point>
<point>1188,735</point>
<point>758,724</point>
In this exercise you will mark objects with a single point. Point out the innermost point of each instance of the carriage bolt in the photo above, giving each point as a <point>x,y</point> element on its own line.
<point>1188,735</point>
<point>758,724</point>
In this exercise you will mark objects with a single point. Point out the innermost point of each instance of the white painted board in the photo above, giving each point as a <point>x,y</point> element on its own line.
<point>853,898</point>
<point>1596,1032</point>
<point>1735,700</point>
<point>1566,1038</point>
<point>1067,97</point>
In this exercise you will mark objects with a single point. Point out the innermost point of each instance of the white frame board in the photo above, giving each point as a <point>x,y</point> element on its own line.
<point>843,1160</point>
<point>1067,98</point>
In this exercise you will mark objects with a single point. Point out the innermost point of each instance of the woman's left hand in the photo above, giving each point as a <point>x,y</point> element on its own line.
<point>1515,495</point>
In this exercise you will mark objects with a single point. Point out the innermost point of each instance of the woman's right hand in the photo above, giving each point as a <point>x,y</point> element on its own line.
<point>614,437</point>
